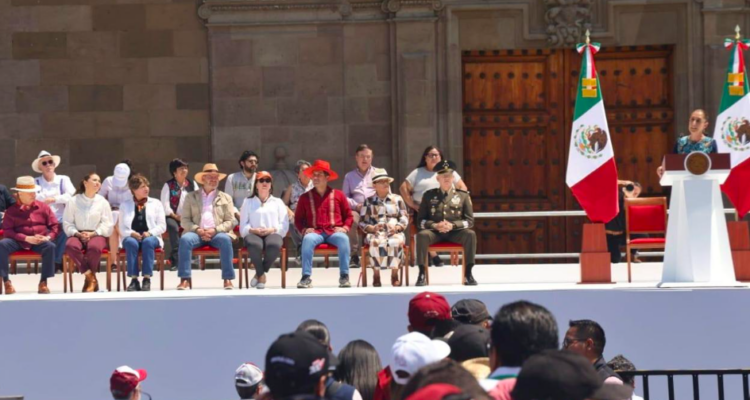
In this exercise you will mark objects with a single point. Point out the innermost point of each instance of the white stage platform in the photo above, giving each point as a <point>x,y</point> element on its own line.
<point>64,346</point>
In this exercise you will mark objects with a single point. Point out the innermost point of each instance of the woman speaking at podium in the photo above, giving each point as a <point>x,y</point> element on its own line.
<point>696,140</point>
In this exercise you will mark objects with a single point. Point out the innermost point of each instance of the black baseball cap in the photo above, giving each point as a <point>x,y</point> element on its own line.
<point>564,375</point>
<point>468,342</point>
<point>470,311</point>
<point>294,364</point>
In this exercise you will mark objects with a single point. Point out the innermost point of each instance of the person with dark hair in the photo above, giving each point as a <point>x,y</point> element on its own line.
<point>87,222</point>
<point>142,223</point>
<point>317,329</point>
<point>115,189</point>
<point>439,391</point>
<point>427,310</point>
<point>6,200</point>
<point>240,185</point>
<point>519,330</point>
<point>248,381</point>
<point>358,366</point>
<point>472,312</point>
<point>448,372</point>
<point>291,198</point>
<point>358,187</point>
<point>587,338</point>
<point>173,195</point>
<point>696,139</point>
<point>297,367</point>
<point>621,364</point>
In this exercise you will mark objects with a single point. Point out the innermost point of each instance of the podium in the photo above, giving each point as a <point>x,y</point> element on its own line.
<point>697,247</point>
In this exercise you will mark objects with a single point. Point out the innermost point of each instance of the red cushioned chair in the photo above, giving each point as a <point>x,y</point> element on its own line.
<point>645,216</point>
<point>365,258</point>
<point>122,267</point>
<point>68,266</point>
<point>454,249</point>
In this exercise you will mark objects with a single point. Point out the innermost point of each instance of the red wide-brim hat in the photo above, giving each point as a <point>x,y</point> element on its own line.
<point>320,165</point>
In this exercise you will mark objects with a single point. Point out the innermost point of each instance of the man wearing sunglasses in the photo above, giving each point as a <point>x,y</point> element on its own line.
<point>240,185</point>
<point>587,338</point>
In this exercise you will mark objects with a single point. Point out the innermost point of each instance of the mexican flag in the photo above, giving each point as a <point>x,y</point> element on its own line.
<point>592,172</point>
<point>732,131</point>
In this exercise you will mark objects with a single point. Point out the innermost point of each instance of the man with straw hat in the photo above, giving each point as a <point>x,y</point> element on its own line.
<point>29,224</point>
<point>208,220</point>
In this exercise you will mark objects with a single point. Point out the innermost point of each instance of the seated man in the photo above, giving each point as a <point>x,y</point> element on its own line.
<point>208,219</point>
<point>323,216</point>
<point>445,215</point>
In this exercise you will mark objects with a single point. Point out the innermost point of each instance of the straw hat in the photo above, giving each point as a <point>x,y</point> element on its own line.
<point>208,168</point>
<point>44,154</point>
<point>25,184</point>
<point>380,174</point>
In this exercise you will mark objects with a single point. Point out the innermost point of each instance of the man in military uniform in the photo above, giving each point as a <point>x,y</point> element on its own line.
<point>445,215</point>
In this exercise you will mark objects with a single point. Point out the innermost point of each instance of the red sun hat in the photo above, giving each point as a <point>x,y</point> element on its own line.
<point>321,165</point>
<point>124,380</point>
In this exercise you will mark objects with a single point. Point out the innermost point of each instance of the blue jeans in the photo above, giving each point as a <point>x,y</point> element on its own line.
<point>60,241</point>
<point>147,247</point>
<point>311,240</point>
<point>191,240</point>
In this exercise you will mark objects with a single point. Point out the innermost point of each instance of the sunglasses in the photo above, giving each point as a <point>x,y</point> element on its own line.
<point>264,180</point>
<point>46,163</point>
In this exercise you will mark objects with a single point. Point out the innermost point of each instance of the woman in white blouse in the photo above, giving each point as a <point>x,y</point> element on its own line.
<point>87,222</point>
<point>142,223</point>
<point>264,224</point>
<point>173,197</point>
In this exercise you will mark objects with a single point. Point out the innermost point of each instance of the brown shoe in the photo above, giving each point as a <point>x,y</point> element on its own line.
<point>184,284</point>
<point>43,289</point>
<point>376,278</point>
<point>88,284</point>
<point>96,283</point>
<point>394,279</point>
<point>9,289</point>
<point>228,284</point>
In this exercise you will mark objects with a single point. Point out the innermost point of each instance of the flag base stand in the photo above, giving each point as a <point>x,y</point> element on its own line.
<point>596,265</point>
<point>739,241</point>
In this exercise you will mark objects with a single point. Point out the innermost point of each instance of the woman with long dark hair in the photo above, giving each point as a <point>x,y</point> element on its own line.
<point>359,365</point>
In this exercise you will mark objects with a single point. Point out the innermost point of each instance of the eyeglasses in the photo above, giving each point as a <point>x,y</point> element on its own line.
<point>264,180</point>
<point>567,342</point>
<point>46,163</point>
<point>433,155</point>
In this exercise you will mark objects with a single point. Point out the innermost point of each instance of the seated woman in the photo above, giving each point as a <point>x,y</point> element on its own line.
<point>173,198</point>
<point>384,219</point>
<point>142,223</point>
<point>87,222</point>
<point>696,140</point>
<point>264,224</point>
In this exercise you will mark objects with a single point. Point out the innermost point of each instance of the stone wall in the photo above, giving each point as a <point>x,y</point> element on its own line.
<point>96,81</point>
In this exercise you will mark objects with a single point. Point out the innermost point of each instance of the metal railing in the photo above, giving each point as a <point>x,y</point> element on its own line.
<point>695,374</point>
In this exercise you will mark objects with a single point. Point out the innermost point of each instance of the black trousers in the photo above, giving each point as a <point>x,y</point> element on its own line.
<point>256,245</point>
<point>173,228</point>
<point>614,242</point>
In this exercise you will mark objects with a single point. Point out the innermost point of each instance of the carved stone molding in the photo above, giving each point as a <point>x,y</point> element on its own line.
<point>345,8</point>
<point>567,21</point>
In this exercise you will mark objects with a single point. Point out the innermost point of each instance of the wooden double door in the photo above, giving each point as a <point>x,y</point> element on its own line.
<point>517,118</point>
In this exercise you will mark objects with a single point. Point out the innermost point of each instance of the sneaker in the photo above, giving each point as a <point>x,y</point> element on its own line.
<point>254,281</point>
<point>344,281</point>
<point>134,286</point>
<point>354,262</point>
<point>469,280</point>
<point>305,282</point>
<point>436,261</point>
<point>260,285</point>
<point>421,281</point>
<point>146,287</point>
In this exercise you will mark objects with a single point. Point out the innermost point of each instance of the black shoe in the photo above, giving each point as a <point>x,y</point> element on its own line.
<point>146,285</point>
<point>469,280</point>
<point>134,286</point>
<point>58,268</point>
<point>344,281</point>
<point>305,282</point>
<point>421,281</point>
<point>436,261</point>
<point>354,262</point>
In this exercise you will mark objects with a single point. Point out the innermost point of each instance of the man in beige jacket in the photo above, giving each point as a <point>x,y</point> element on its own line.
<point>208,220</point>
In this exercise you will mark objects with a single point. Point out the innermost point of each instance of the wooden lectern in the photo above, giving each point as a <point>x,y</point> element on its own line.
<point>697,251</point>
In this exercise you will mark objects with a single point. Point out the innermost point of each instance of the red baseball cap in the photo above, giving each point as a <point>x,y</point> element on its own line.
<point>426,308</point>
<point>124,380</point>
<point>436,391</point>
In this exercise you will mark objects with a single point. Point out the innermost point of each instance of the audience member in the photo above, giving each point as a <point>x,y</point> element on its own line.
<point>587,338</point>
<point>384,220</point>
<point>297,367</point>
<point>55,191</point>
<point>470,346</point>
<point>446,372</point>
<point>240,185</point>
<point>173,195</point>
<point>291,198</point>
<point>88,223</point>
<point>116,190</point>
<point>428,311</point>
<point>439,391</point>
<point>29,224</point>
<point>412,352</point>
<point>519,330</point>
<point>358,187</point>
<point>6,200</point>
<point>208,220</point>
<point>358,366</point>
<point>125,384</point>
<point>621,364</point>
<point>142,223</point>
<point>248,380</point>
<point>323,216</point>
<point>471,311</point>
<point>563,375</point>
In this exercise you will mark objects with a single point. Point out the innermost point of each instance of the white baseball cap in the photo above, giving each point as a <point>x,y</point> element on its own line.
<point>120,177</point>
<point>412,352</point>
<point>248,375</point>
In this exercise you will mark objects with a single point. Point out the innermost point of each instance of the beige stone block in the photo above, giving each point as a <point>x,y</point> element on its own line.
<point>324,50</point>
<point>37,45</point>
<point>330,31</point>
<point>6,45</point>
<point>357,110</point>
<point>414,68</point>
<point>377,136</point>
<point>120,71</point>
<point>336,110</point>
<point>116,17</point>
<point>102,153</point>
<point>229,142</point>
<point>160,150</point>
<point>96,98</point>
<point>174,70</point>
<point>69,18</point>
<point>317,81</point>
<point>146,44</point>
<point>66,72</point>
<point>41,99</point>
<point>271,50</point>
<point>231,53</point>
<point>121,124</point>
<point>68,125</point>
<point>236,82</point>
<point>379,109</point>
<point>303,111</point>
<point>323,142</point>
<point>172,16</point>
<point>7,99</point>
<point>416,37</point>
<point>149,97</point>
<point>362,80</point>
<point>19,126</point>
<point>28,149</point>
<point>179,123</point>
<point>92,45</point>
<point>7,154</point>
<point>190,43</point>
<point>244,112</point>
<point>278,81</point>
<point>18,19</point>
<point>19,72</point>
<point>205,70</point>
<point>192,96</point>
<point>46,3</point>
